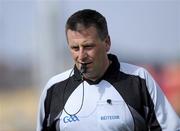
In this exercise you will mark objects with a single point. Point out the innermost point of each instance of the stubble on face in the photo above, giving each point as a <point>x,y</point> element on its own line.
<point>87,47</point>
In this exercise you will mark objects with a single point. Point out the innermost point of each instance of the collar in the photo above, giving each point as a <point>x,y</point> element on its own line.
<point>110,72</point>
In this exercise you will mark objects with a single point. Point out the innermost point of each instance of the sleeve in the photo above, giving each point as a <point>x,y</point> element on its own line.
<point>41,106</point>
<point>41,111</point>
<point>165,114</point>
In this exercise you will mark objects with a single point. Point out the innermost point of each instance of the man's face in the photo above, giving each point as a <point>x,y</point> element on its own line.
<point>86,47</point>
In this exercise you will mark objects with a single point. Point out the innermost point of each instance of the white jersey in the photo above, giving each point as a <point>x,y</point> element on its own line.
<point>126,98</point>
<point>103,109</point>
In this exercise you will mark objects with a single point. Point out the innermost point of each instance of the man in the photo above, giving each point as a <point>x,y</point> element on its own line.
<point>99,93</point>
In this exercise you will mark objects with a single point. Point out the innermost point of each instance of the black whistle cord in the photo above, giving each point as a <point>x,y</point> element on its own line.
<point>82,95</point>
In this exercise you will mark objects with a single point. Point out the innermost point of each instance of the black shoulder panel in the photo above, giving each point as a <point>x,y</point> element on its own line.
<point>134,91</point>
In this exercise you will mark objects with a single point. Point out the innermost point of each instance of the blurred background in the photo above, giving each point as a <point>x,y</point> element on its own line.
<point>33,48</point>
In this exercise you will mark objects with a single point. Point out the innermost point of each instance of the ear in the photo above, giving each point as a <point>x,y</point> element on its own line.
<point>107,43</point>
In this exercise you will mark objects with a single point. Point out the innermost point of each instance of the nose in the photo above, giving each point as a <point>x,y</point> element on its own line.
<point>82,55</point>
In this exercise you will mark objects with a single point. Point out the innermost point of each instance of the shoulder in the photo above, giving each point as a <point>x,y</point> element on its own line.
<point>58,78</point>
<point>134,70</point>
<point>150,83</point>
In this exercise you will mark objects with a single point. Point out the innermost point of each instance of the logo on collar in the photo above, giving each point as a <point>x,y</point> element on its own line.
<point>69,119</point>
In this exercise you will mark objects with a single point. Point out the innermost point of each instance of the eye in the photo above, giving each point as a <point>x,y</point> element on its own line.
<point>88,47</point>
<point>75,48</point>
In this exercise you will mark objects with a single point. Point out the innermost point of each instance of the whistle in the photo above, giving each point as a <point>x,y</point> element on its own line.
<point>83,68</point>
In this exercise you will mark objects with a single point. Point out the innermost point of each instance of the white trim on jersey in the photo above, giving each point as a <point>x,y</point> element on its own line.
<point>166,116</point>
<point>50,83</point>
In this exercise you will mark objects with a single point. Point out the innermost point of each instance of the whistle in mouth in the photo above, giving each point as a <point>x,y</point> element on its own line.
<point>83,68</point>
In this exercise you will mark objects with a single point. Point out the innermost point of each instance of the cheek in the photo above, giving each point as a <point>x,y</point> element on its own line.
<point>100,52</point>
<point>74,55</point>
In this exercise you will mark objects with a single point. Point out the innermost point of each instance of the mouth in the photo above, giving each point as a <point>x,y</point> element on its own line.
<point>85,64</point>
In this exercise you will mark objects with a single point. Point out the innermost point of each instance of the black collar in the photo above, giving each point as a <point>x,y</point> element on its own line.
<point>111,72</point>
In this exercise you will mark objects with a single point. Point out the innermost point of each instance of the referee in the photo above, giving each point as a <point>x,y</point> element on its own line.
<point>100,93</point>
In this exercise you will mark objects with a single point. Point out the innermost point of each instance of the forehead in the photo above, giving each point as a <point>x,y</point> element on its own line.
<point>82,32</point>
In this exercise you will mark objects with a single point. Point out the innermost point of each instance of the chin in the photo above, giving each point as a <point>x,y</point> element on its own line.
<point>88,75</point>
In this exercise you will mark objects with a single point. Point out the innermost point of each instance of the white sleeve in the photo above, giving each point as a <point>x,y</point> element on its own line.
<point>52,81</point>
<point>166,116</point>
<point>41,112</point>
